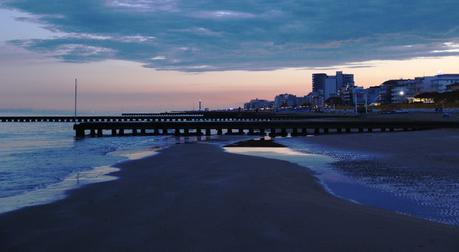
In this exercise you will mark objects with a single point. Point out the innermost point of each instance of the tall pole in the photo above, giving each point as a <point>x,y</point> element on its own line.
<point>76,96</point>
<point>366,103</point>
<point>355,103</point>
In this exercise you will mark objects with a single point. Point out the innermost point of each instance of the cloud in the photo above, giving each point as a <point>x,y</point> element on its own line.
<point>210,35</point>
<point>223,14</point>
<point>448,47</point>
<point>143,5</point>
<point>90,52</point>
<point>159,58</point>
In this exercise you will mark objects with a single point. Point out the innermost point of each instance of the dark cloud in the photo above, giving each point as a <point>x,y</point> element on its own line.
<point>204,35</point>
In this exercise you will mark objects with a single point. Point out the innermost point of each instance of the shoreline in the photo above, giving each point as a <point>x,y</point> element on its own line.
<point>58,191</point>
<point>388,173</point>
<point>98,174</point>
<point>196,196</point>
<point>284,154</point>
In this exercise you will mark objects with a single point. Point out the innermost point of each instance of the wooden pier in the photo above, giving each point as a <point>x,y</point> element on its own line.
<point>219,123</point>
<point>251,127</point>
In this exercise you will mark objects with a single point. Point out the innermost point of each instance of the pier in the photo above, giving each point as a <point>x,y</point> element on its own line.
<point>251,127</point>
<point>172,117</point>
<point>231,123</point>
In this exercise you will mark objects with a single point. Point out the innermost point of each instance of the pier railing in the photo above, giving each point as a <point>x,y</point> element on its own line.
<point>170,117</point>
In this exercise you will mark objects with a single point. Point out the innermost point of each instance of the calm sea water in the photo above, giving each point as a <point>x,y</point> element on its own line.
<point>39,160</point>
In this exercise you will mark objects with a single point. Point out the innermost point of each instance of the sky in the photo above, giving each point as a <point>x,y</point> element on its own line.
<point>158,55</point>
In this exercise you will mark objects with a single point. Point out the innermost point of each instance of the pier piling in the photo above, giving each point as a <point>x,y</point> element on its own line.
<point>250,127</point>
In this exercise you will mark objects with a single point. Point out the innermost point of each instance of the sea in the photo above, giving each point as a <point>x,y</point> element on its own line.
<point>41,162</point>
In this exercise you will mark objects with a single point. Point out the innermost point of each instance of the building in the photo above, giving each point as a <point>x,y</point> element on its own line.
<point>303,101</point>
<point>258,104</point>
<point>315,100</point>
<point>453,87</point>
<point>442,81</point>
<point>318,82</point>
<point>399,91</point>
<point>374,95</point>
<point>330,89</point>
<point>425,84</point>
<point>359,96</point>
<point>343,80</point>
<point>332,86</point>
<point>438,83</point>
<point>405,90</point>
<point>285,101</point>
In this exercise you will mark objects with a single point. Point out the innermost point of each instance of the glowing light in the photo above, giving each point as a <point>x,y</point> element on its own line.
<point>402,93</point>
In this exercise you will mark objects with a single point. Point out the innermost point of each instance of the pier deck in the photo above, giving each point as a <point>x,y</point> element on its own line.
<point>172,117</point>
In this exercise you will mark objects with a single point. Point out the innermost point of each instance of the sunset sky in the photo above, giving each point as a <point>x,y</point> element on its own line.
<point>157,55</point>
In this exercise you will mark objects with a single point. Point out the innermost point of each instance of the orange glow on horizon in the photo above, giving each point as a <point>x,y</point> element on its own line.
<point>127,86</point>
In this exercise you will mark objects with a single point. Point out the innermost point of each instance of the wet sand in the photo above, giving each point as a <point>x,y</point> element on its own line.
<point>260,142</point>
<point>412,172</point>
<point>195,197</point>
<point>417,152</point>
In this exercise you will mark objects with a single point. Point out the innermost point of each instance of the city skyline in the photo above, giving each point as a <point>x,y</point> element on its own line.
<point>39,56</point>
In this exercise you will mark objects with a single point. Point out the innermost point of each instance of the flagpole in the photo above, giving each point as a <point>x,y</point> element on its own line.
<point>76,96</point>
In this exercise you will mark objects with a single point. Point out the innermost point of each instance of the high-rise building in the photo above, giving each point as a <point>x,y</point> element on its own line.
<point>331,86</point>
<point>330,89</point>
<point>344,80</point>
<point>318,82</point>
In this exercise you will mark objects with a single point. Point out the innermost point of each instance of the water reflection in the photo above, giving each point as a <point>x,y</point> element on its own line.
<point>57,191</point>
<point>351,188</point>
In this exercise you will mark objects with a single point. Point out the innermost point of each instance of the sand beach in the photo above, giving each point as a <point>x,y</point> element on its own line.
<point>416,153</point>
<point>196,197</point>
